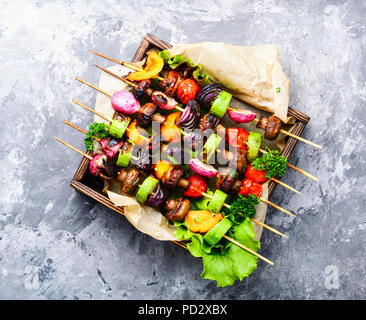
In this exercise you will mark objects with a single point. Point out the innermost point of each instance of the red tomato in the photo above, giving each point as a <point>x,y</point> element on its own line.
<point>255,189</point>
<point>255,175</point>
<point>197,185</point>
<point>245,187</point>
<point>187,90</point>
<point>250,187</point>
<point>236,137</point>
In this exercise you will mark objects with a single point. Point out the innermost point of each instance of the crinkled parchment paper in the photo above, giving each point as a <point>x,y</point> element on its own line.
<point>252,74</point>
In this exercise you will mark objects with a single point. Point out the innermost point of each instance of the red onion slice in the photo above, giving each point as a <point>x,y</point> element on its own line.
<point>202,169</point>
<point>110,146</point>
<point>163,101</point>
<point>241,116</point>
<point>191,116</point>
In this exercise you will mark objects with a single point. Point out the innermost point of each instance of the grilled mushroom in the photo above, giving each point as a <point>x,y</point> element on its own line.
<point>225,180</point>
<point>273,128</point>
<point>177,209</point>
<point>209,121</point>
<point>129,180</point>
<point>142,87</point>
<point>240,161</point>
<point>145,114</point>
<point>172,177</point>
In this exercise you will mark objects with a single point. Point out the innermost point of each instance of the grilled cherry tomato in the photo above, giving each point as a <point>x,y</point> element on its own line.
<point>197,185</point>
<point>169,130</point>
<point>236,137</point>
<point>255,175</point>
<point>187,90</point>
<point>250,187</point>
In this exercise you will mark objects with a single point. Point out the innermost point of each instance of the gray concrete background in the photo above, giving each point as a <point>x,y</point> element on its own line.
<point>57,244</point>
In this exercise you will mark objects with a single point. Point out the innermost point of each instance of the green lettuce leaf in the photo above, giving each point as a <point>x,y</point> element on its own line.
<point>176,61</point>
<point>225,263</point>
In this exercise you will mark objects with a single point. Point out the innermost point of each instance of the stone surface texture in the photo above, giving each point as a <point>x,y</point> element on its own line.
<point>58,244</point>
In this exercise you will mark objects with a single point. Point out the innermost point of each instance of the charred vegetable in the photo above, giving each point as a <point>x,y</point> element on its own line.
<point>202,169</point>
<point>163,101</point>
<point>241,116</point>
<point>145,114</point>
<point>209,122</point>
<point>142,87</point>
<point>202,220</point>
<point>99,166</point>
<point>187,90</point>
<point>129,180</point>
<point>177,209</point>
<point>158,198</point>
<point>154,65</point>
<point>110,146</point>
<point>169,130</point>
<point>197,185</point>
<point>271,127</point>
<point>190,117</point>
<point>124,101</point>
<point>208,93</point>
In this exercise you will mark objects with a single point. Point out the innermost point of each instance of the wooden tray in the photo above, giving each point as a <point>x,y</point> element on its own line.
<point>85,183</point>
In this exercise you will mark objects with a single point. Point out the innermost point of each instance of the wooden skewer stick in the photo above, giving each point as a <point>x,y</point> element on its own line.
<point>248,249</point>
<point>276,206</point>
<point>123,63</point>
<point>102,116</point>
<point>132,84</point>
<point>303,172</point>
<point>251,219</point>
<point>127,81</point>
<point>226,237</point>
<point>285,185</point>
<point>94,87</point>
<point>75,149</point>
<point>297,137</point>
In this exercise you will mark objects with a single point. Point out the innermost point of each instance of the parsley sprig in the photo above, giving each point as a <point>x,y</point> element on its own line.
<point>272,162</point>
<point>242,207</point>
<point>96,129</point>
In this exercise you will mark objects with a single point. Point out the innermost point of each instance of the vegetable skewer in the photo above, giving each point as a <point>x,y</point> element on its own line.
<point>226,237</point>
<point>184,183</point>
<point>109,95</point>
<point>111,121</point>
<point>173,106</point>
<point>261,150</point>
<point>281,130</point>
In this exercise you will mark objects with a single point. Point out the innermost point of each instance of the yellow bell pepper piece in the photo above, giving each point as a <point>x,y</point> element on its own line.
<point>161,167</point>
<point>202,221</point>
<point>154,65</point>
<point>169,130</point>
